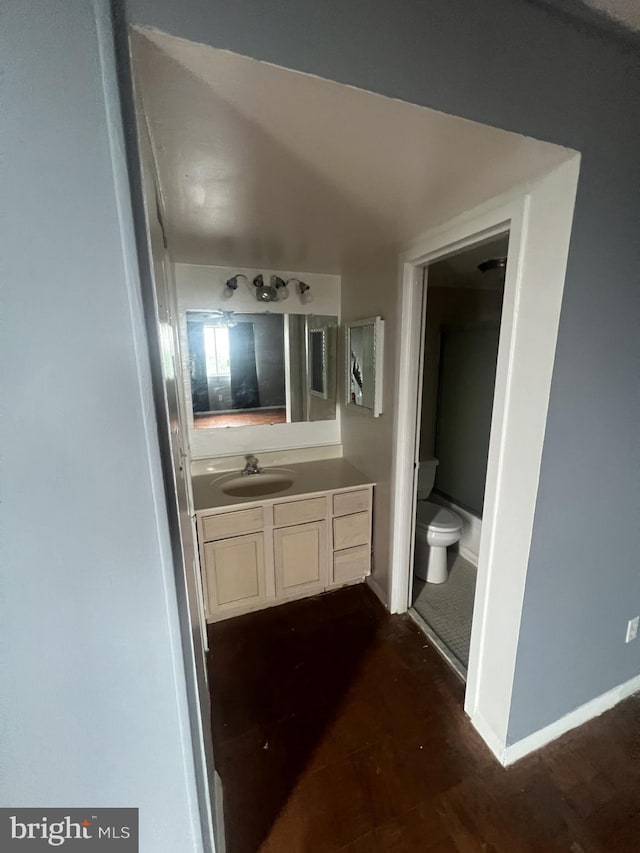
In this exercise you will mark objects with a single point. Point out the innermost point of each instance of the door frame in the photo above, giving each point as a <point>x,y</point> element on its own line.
<point>191,635</point>
<point>538,217</point>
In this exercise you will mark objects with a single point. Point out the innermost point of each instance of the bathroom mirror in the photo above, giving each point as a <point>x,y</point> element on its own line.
<point>252,369</point>
<point>364,347</point>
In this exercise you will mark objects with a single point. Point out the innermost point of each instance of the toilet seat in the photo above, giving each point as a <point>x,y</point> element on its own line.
<point>437,518</point>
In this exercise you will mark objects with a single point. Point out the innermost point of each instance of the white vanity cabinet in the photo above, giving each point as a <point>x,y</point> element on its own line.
<point>255,555</point>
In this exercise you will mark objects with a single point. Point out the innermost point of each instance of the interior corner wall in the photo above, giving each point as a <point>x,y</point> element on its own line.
<point>563,82</point>
<point>94,699</point>
<point>369,289</point>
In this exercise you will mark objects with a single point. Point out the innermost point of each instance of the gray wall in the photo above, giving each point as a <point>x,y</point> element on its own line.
<point>93,692</point>
<point>461,408</point>
<point>514,65</point>
<point>467,380</point>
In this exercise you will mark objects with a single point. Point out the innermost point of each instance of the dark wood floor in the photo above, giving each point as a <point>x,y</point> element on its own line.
<point>337,727</point>
<point>230,419</point>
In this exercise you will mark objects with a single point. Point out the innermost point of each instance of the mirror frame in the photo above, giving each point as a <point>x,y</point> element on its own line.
<point>378,365</point>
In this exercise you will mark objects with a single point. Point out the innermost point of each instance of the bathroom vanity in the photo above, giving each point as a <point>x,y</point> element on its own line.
<point>280,535</point>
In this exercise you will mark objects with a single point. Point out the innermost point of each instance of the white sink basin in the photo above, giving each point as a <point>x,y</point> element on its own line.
<point>268,482</point>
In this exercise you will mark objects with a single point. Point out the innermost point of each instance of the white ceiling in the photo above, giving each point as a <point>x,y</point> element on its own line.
<point>269,168</point>
<point>627,12</point>
<point>461,269</point>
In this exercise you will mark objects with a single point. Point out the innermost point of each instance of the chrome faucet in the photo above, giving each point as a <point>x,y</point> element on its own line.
<point>252,466</point>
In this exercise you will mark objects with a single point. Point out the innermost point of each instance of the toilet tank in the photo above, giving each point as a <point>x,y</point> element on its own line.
<point>426,476</point>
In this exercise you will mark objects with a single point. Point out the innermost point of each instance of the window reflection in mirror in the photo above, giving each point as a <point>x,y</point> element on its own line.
<point>255,369</point>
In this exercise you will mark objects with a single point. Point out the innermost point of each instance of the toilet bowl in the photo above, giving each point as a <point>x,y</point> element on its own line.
<point>436,529</point>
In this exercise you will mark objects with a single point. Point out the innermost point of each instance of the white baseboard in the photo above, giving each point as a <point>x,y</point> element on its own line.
<point>379,591</point>
<point>507,755</point>
<point>570,721</point>
<point>488,735</point>
<point>470,556</point>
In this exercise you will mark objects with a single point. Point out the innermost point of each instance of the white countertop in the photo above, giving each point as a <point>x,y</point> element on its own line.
<point>308,478</point>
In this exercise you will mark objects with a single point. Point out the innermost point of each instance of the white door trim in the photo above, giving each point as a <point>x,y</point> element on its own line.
<point>539,218</point>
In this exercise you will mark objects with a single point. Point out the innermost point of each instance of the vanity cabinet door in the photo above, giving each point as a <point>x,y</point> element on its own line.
<point>234,573</point>
<point>300,556</point>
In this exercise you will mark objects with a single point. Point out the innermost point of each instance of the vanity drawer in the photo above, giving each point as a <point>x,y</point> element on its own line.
<point>232,523</point>
<point>298,512</point>
<point>351,564</point>
<point>345,503</point>
<point>351,530</point>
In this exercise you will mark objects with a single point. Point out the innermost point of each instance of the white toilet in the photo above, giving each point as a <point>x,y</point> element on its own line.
<point>436,529</point>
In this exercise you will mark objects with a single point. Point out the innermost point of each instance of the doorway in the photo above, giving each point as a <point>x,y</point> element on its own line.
<point>538,218</point>
<point>462,299</point>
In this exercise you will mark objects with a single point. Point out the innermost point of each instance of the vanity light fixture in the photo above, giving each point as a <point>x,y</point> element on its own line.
<point>262,292</point>
<point>231,284</point>
<point>304,290</point>
<point>279,287</point>
<point>275,291</point>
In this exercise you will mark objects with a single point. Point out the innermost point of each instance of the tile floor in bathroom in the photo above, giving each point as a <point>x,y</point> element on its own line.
<point>447,608</point>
